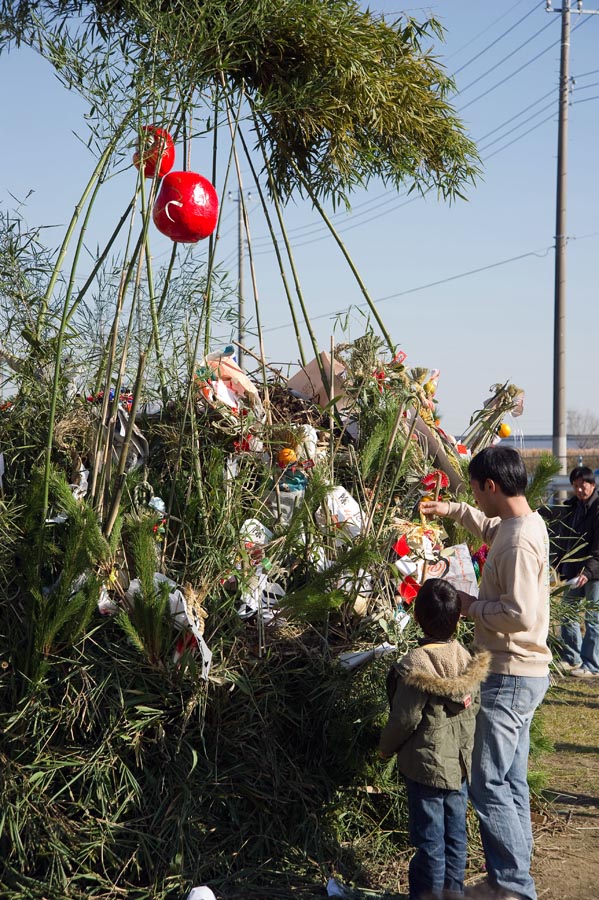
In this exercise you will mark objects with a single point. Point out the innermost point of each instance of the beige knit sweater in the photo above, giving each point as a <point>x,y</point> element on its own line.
<point>511,613</point>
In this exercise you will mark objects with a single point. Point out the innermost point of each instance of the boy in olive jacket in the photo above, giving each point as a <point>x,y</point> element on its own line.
<point>434,692</point>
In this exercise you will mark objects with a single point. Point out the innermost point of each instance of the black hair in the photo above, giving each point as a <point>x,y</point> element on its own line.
<point>582,472</point>
<point>437,608</point>
<point>504,466</point>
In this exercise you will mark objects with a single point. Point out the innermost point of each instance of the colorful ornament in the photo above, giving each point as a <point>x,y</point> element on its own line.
<point>408,589</point>
<point>286,457</point>
<point>504,430</point>
<point>480,557</point>
<point>186,208</point>
<point>435,481</point>
<point>401,546</point>
<point>160,152</point>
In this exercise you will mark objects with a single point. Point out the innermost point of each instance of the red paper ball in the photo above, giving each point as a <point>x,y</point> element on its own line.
<point>186,208</point>
<point>159,151</point>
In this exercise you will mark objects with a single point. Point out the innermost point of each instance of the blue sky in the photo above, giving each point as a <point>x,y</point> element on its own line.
<point>478,329</point>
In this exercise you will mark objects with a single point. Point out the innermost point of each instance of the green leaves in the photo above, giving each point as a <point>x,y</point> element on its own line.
<point>61,590</point>
<point>340,95</point>
<point>147,620</point>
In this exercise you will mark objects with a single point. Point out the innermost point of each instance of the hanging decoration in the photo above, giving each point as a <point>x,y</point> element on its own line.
<point>186,208</point>
<point>156,150</point>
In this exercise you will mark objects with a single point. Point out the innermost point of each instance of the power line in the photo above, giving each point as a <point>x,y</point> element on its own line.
<point>521,125</point>
<point>508,56</point>
<point>396,206</point>
<point>483,137</point>
<point>383,200</point>
<point>519,138</point>
<point>496,41</point>
<point>484,31</point>
<point>584,74</point>
<point>266,246</point>
<point>388,203</point>
<point>502,262</point>
<point>518,70</point>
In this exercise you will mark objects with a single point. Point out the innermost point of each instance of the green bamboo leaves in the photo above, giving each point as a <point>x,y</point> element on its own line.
<point>341,95</point>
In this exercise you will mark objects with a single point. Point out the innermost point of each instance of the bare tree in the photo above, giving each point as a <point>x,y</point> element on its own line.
<point>583,428</point>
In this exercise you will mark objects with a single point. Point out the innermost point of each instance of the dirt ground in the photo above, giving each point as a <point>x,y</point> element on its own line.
<point>565,815</point>
<point>566,864</point>
<point>566,819</point>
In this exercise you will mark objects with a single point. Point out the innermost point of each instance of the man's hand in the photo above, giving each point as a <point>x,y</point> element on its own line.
<point>434,507</point>
<point>466,600</point>
<point>582,580</point>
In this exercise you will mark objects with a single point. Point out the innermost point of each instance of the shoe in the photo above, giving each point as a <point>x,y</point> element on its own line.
<point>583,673</point>
<point>568,666</point>
<point>485,891</point>
<point>481,891</point>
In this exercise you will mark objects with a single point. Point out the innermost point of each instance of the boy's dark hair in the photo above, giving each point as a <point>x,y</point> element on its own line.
<point>504,466</point>
<point>437,608</point>
<point>582,472</point>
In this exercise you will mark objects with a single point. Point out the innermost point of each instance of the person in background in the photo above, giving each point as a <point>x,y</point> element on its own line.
<point>434,697</point>
<point>511,621</point>
<point>574,532</point>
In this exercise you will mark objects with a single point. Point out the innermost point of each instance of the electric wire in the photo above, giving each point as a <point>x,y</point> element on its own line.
<point>520,68</point>
<point>480,33</point>
<point>585,74</point>
<point>523,135</point>
<point>517,115</point>
<point>374,203</point>
<point>521,125</point>
<point>508,56</point>
<point>543,252</point>
<point>388,203</point>
<point>378,203</point>
<point>496,41</point>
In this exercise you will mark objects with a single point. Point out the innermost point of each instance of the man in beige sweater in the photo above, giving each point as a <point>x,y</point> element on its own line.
<point>511,616</point>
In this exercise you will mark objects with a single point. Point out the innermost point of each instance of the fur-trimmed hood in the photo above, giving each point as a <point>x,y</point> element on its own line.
<point>435,695</point>
<point>444,670</point>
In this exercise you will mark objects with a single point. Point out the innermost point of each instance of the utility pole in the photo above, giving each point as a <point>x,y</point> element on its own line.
<point>560,435</point>
<point>240,295</point>
<point>241,213</point>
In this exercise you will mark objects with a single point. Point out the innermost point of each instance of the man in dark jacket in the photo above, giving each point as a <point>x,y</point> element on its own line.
<point>574,530</point>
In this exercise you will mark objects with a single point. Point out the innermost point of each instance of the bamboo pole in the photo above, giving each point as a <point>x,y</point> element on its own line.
<point>349,260</point>
<point>95,177</point>
<point>92,189</point>
<point>275,244</point>
<point>192,362</point>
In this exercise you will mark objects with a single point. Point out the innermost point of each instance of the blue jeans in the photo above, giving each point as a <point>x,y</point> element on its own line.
<point>578,650</point>
<point>438,831</point>
<point>499,787</point>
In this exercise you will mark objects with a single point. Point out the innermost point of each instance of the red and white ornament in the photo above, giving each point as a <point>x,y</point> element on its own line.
<point>186,208</point>
<point>157,150</point>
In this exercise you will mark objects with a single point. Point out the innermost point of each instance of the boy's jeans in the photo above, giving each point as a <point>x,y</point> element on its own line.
<point>578,650</point>
<point>499,788</point>
<point>438,831</point>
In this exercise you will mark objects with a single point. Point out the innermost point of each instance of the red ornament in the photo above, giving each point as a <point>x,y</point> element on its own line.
<point>186,208</point>
<point>408,589</point>
<point>437,480</point>
<point>160,151</point>
<point>401,546</point>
